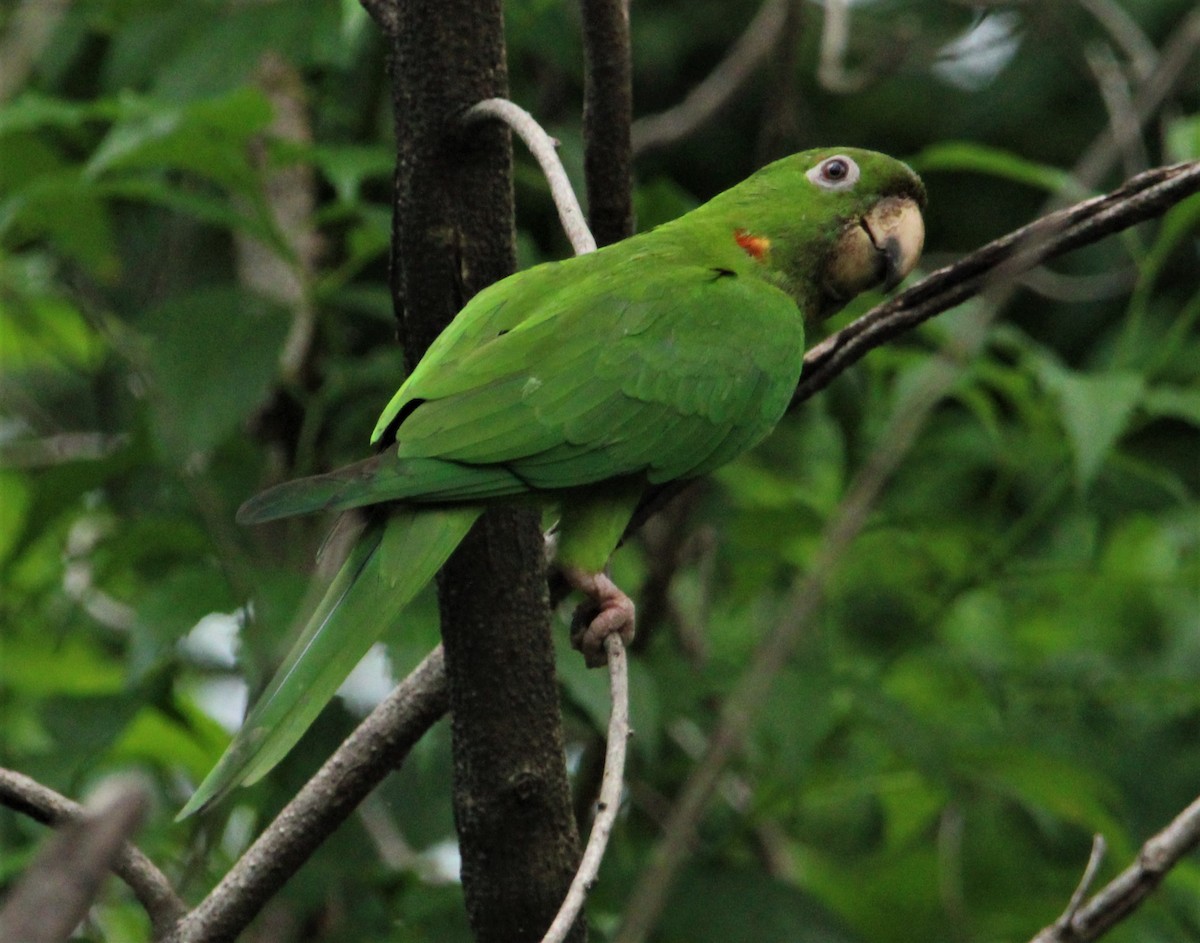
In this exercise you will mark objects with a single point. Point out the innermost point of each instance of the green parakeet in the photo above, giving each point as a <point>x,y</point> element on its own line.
<point>582,383</point>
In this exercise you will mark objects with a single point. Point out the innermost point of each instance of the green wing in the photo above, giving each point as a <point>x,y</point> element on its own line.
<point>634,370</point>
<point>553,382</point>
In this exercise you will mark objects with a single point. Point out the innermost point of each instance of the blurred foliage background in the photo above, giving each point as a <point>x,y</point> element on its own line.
<point>194,215</point>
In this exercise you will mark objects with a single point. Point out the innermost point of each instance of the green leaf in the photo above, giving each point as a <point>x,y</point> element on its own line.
<point>213,355</point>
<point>735,905</point>
<point>37,668</point>
<point>346,167</point>
<point>996,162</point>
<point>1183,138</point>
<point>64,208</point>
<point>154,737</point>
<point>1066,790</point>
<point>47,334</point>
<point>207,138</point>
<point>173,605</point>
<point>1095,410</point>
<point>215,209</point>
<point>14,511</point>
<point>32,111</point>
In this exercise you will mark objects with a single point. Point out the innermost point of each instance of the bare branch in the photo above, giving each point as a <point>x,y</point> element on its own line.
<point>609,802</point>
<point>543,148</point>
<point>719,87</point>
<point>95,843</point>
<point>378,745</point>
<point>1125,893</point>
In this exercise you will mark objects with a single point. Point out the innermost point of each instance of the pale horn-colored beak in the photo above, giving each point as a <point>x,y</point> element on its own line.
<point>897,229</point>
<point>878,250</point>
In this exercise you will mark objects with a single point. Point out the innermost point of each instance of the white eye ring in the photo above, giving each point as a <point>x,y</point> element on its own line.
<point>834,173</point>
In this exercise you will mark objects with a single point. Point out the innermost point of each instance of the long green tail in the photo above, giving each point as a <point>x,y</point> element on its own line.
<point>389,564</point>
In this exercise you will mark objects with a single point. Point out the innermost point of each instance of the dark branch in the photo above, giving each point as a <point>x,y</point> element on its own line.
<point>607,114</point>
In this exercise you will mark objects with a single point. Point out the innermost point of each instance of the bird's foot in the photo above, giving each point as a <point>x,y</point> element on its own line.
<point>607,611</point>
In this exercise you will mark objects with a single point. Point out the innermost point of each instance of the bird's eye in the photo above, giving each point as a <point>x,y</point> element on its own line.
<point>834,173</point>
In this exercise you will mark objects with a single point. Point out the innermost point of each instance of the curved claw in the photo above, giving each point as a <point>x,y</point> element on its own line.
<point>607,611</point>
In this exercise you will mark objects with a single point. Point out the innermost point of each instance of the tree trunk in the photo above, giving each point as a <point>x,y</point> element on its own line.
<point>453,235</point>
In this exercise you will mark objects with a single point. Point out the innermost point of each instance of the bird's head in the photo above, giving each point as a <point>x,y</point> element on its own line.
<point>834,222</point>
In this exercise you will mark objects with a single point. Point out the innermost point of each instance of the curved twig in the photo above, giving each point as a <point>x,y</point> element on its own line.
<point>1095,859</point>
<point>149,885</point>
<point>544,151</point>
<point>609,801</point>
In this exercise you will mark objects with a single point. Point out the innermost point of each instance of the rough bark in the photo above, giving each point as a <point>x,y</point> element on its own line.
<point>607,115</point>
<point>453,235</point>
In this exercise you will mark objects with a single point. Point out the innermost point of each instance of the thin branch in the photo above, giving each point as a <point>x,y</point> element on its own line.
<point>149,885</point>
<point>378,745</point>
<point>1172,67</point>
<point>719,87</point>
<point>1126,33</point>
<point>609,802</point>
<point>1125,893</point>
<point>65,879</point>
<point>1095,859</point>
<point>544,150</point>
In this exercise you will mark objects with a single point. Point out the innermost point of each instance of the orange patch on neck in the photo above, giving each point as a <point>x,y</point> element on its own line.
<point>756,247</point>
